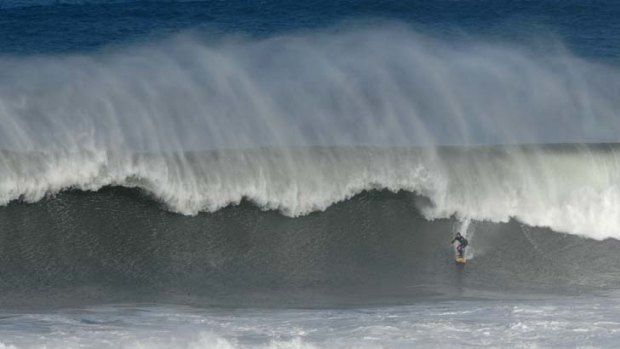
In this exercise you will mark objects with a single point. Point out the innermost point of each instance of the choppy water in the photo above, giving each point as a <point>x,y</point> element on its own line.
<point>574,322</point>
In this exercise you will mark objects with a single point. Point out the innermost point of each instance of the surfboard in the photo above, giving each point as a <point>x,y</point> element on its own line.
<point>460,260</point>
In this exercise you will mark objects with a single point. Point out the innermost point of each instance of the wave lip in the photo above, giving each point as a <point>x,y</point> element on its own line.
<point>568,188</point>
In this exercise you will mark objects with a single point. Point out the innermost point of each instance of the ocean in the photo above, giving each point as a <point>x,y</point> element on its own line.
<point>279,174</point>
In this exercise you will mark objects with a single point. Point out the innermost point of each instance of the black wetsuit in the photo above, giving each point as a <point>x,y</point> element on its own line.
<point>462,244</point>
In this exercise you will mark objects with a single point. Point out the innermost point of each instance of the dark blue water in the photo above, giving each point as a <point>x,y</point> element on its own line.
<point>589,28</point>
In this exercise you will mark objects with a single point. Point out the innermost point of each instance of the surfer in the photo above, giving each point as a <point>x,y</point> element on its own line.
<point>462,243</point>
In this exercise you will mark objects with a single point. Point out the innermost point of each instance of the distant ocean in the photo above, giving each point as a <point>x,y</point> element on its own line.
<point>279,174</point>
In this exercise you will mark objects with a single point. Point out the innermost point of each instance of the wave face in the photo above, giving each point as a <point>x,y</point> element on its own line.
<point>118,245</point>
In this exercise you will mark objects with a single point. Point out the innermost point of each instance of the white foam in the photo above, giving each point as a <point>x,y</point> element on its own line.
<point>555,323</point>
<point>570,190</point>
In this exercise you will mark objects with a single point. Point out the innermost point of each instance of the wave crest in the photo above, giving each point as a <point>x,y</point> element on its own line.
<point>570,188</point>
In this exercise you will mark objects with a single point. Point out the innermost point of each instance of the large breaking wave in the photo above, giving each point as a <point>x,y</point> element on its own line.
<point>342,160</point>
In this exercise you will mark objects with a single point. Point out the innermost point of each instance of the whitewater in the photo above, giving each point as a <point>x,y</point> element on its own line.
<point>568,188</point>
<point>477,323</point>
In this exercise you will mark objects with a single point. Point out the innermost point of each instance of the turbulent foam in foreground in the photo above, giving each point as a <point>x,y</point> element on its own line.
<point>493,324</point>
